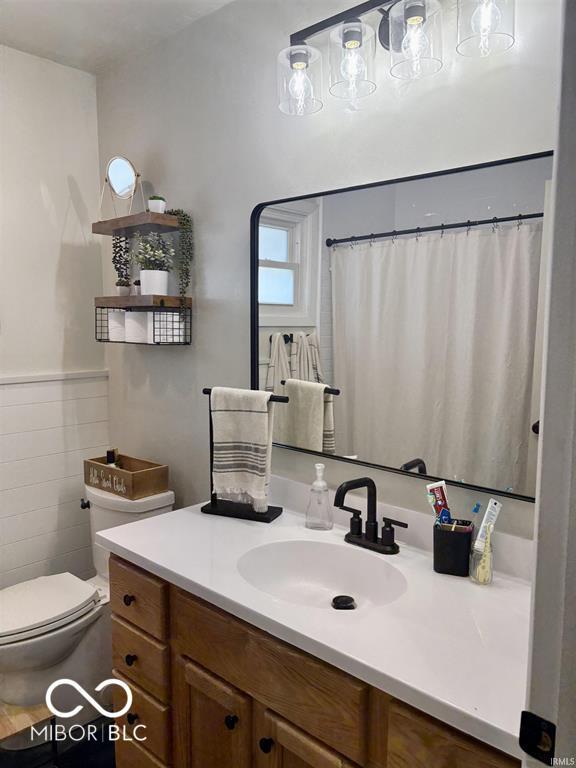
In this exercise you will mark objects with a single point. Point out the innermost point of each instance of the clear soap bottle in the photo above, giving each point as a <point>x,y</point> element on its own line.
<point>319,511</point>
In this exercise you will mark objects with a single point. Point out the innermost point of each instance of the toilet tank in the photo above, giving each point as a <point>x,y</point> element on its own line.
<point>108,510</point>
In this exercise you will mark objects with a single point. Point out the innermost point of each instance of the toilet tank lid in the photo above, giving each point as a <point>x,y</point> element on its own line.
<point>41,602</point>
<point>132,506</point>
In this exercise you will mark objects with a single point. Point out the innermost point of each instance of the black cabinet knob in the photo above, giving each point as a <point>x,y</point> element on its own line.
<point>128,599</point>
<point>266,745</point>
<point>230,721</point>
<point>130,658</point>
<point>132,717</point>
<point>84,504</point>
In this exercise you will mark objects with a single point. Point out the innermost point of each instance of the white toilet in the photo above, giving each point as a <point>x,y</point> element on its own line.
<point>58,626</point>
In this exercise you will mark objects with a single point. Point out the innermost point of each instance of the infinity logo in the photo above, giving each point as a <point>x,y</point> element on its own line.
<point>104,684</point>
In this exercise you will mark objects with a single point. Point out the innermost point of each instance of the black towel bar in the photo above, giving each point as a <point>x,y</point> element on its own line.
<point>236,509</point>
<point>273,398</point>
<point>327,390</point>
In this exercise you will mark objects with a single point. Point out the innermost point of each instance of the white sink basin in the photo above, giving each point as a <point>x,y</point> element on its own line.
<point>311,573</point>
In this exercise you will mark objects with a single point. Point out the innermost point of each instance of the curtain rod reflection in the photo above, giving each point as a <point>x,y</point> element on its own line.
<point>327,390</point>
<point>436,228</point>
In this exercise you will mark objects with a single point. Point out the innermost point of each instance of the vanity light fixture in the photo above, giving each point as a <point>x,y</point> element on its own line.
<point>299,70</point>
<point>411,30</point>
<point>352,49</point>
<point>485,27</point>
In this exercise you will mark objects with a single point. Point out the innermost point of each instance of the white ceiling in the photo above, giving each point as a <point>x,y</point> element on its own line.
<point>92,34</point>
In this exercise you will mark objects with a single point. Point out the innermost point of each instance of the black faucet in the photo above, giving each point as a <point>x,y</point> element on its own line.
<point>369,538</point>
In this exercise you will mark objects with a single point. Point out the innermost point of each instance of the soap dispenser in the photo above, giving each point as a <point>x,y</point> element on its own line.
<point>319,511</point>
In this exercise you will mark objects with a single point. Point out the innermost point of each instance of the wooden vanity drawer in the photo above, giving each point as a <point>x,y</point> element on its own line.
<point>131,755</point>
<point>325,702</point>
<point>139,597</point>
<point>141,658</point>
<point>154,715</point>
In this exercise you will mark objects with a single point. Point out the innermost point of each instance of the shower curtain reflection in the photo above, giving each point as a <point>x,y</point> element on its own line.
<point>434,348</point>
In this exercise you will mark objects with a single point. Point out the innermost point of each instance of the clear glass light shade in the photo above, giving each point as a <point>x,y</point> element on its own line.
<point>352,49</point>
<point>485,27</point>
<point>299,72</point>
<point>415,39</point>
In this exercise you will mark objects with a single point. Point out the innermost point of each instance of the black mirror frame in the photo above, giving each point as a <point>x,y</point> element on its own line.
<point>254,311</point>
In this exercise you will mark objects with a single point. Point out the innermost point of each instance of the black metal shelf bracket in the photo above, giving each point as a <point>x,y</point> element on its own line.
<point>171,326</point>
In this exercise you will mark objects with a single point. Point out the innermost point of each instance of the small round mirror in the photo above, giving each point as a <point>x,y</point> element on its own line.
<point>121,176</point>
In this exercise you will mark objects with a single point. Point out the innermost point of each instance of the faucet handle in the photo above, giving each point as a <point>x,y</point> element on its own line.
<point>388,522</point>
<point>388,535</point>
<point>355,520</point>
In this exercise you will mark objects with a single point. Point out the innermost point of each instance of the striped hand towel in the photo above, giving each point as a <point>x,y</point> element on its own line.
<point>242,422</point>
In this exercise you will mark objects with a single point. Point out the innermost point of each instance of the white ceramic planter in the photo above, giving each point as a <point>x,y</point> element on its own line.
<point>153,281</point>
<point>123,290</point>
<point>157,206</point>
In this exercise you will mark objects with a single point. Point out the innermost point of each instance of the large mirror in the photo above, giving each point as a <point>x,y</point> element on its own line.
<point>404,321</point>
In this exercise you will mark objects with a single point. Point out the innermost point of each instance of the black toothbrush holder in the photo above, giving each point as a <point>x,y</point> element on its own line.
<point>452,546</point>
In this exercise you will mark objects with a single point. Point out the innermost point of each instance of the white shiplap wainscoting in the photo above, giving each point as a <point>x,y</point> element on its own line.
<point>48,425</point>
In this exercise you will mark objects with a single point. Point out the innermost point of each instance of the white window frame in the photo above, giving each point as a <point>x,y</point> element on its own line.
<point>302,220</point>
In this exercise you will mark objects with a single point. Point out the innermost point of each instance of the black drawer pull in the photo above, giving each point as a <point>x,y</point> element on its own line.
<point>84,504</point>
<point>128,599</point>
<point>132,717</point>
<point>266,745</point>
<point>130,658</point>
<point>230,721</point>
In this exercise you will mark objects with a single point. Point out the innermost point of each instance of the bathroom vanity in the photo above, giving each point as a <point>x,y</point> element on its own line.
<point>233,666</point>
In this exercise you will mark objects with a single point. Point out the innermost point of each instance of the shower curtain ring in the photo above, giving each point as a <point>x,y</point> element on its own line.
<point>418,233</point>
<point>372,238</point>
<point>519,222</point>
<point>494,224</point>
<point>394,236</point>
<point>468,227</point>
<point>442,231</point>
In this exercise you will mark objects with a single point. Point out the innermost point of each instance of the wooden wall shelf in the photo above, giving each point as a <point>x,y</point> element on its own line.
<point>143,302</point>
<point>136,222</point>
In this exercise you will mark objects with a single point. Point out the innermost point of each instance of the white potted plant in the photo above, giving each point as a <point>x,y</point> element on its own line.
<point>154,256</point>
<point>156,204</point>
<point>123,287</point>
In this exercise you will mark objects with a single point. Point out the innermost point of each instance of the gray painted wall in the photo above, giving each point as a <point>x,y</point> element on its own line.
<point>197,115</point>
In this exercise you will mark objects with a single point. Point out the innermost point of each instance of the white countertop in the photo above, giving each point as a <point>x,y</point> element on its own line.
<point>451,648</point>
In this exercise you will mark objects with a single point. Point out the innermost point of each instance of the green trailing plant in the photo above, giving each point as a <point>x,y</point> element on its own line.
<point>157,197</point>
<point>152,252</point>
<point>121,258</point>
<point>184,250</point>
<point>123,282</point>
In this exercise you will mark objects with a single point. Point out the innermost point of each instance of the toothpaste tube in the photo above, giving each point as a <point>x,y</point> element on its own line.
<point>490,517</point>
<point>437,492</point>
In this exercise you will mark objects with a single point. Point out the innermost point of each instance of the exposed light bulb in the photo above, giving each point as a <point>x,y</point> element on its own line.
<point>485,21</point>
<point>301,89</point>
<point>352,69</point>
<point>415,45</point>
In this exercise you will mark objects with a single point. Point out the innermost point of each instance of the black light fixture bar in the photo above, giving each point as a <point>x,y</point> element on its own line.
<point>436,228</point>
<point>299,38</point>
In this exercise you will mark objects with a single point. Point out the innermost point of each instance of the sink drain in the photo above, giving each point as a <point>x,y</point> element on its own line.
<point>343,603</point>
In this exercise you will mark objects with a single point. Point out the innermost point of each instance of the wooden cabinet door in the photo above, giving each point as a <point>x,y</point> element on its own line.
<point>279,744</point>
<point>418,741</point>
<point>212,720</point>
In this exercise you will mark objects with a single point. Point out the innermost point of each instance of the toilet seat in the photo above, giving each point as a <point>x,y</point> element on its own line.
<point>37,607</point>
